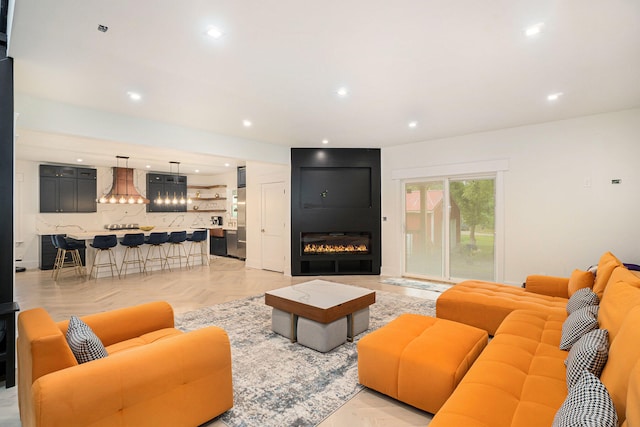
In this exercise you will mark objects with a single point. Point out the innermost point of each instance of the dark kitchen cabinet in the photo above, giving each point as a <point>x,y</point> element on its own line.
<point>66,189</point>
<point>161,185</point>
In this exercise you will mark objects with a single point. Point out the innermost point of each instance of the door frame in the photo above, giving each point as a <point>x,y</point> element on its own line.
<point>497,168</point>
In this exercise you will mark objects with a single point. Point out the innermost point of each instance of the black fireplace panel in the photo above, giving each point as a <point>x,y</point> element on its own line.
<point>335,187</point>
<point>335,211</point>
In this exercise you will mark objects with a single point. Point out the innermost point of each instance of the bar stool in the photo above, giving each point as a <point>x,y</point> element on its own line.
<point>67,246</point>
<point>176,239</point>
<point>132,241</point>
<point>199,238</point>
<point>104,244</point>
<point>156,242</point>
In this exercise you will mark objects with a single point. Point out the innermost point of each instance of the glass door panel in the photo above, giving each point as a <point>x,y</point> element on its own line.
<point>424,228</point>
<point>472,229</point>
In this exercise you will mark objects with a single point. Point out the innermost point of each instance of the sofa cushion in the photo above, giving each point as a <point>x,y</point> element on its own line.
<point>577,324</point>
<point>607,263</point>
<point>587,404</point>
<point>142,340</point>
<point>621,295</point>
<point>84,344</point>
<point>518,380</point>
<point>579,280</point>
<point>485,304</point>
<point>588,354</point>
<point>624,354</point>
<point>582,298</point>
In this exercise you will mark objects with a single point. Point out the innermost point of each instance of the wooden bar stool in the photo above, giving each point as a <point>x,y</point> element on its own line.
<point>198,239</point>
<point>104,244</point>
<point>156,243</point>
<point>71,247</point>
<point>176,247</point>
<point>132,241</point>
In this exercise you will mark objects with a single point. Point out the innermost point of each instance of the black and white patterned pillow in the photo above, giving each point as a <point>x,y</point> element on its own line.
<point>589,353</point>
<point>84,343</point>
<point>587,404</point>
<point>582,298</point>
<point>577,324</point>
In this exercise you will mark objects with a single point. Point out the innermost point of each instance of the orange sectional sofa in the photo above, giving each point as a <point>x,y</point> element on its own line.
<point>154,375</point>
<point>519,380</point>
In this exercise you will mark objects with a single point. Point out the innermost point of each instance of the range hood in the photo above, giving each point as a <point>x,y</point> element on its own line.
<point>123,191</point>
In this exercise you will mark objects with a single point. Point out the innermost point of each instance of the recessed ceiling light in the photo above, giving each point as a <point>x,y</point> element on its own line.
<point>325,141</point>
<point>413,124</point>
<point>534,29</point>
<point>79,160</point>
<point>134,96</point>
<point>554,96</point>
<point>227,165</point>
<point>197,171</point>
<point>342,92</point>
<point>148,166</point>
<point>215,32</point>
<point>247,123</point>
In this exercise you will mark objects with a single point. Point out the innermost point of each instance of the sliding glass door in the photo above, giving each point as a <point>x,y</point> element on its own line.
<point>450,228</point>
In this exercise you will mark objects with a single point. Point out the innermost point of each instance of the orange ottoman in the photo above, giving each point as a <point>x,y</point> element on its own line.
<point>418,359</point>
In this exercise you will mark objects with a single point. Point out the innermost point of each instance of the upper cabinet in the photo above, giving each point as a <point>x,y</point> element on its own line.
<point>67,189</point>
<point>169,189</point>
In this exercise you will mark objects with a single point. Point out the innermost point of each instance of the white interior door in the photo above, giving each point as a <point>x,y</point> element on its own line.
<point>273,223</point>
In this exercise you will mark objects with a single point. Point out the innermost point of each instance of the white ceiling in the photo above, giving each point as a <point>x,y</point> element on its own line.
<point>454,66</point>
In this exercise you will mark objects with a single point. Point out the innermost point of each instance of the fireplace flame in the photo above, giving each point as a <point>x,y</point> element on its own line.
<point>332,249</point>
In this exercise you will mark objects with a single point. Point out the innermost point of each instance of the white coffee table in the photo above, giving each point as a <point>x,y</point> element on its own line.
<point>320,314</point>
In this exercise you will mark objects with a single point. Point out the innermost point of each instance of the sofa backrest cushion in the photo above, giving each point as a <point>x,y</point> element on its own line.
<point>123,324</point>
<point>579,279</point>
<point>624,354</point>
<point>633,397</point>
<point>607,263</point>
<point>621,295</point>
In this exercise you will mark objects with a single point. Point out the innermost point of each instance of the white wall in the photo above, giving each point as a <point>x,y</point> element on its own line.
<point>561,211</point>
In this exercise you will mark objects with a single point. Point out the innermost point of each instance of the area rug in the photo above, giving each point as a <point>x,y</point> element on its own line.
<point>279,383</point>
<point>417,284</point>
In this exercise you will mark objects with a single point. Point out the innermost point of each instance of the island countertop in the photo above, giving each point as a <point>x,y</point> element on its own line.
<point>89,235</point>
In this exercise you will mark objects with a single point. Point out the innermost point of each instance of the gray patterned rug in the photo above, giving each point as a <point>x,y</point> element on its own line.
<point>417,284</point>
<point>277,383</point>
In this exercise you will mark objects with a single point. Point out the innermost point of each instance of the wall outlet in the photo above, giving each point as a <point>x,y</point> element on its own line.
<point>616,181</point>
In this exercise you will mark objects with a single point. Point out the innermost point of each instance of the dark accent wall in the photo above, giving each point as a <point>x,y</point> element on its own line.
<point>335,191</point>
<point>6,180</point>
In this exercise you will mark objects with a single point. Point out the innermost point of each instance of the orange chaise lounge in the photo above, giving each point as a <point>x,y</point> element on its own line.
<point>153,375</point>
<point>520,378</point>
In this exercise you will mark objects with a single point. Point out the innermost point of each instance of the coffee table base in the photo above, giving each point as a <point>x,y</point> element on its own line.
<point>322,337</point>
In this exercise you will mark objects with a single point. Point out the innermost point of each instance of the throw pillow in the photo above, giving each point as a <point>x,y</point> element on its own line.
<point>84,343</point>
<point>607,263</point>
<point>579,280</point>
<point>582,298</point>
<point>587,404</point>
<point>589,353</point>
<point>577,324</point>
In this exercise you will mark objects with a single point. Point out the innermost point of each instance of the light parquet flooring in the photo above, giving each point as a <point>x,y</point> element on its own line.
<point>226,279</point>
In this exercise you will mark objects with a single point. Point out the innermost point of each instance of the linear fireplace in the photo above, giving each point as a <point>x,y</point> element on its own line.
<point>336,243</point>
<point>335,211</point>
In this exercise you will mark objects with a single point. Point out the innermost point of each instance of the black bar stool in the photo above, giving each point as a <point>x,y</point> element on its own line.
<point>199,239</point>
<point>104,244</point>
<point>176,249</point>
<point>132,241</point>
<point>156,243</point>
<point>65,247</point>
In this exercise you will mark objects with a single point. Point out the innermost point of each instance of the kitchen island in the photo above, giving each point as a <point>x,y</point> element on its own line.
<point>119,250</point>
